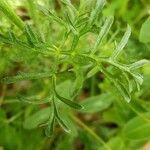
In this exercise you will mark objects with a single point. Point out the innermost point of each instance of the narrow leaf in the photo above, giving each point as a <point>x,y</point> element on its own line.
<point>69,102</point>
<point>12,37</point>
<point>71,25</point>
<point>62,124</point>
<point>50,127</point>
<point>138,64</point>
<point>68,3</point>
<point>92,72</point>
<point>33,100</point>
<point>122,43</point>
<point>123,91</point>
<point>60,121</point>
<point>31,36</point>
<point>138,77</point>
<point>95,12</point>
<point>104,31</point>
<point>52,15</point>
<point>25,76</point>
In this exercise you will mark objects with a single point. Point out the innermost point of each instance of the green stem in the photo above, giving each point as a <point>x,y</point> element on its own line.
<point>93,81</point>
<point>91,132</point>
<point>14,117</point>
<point>10,14</point>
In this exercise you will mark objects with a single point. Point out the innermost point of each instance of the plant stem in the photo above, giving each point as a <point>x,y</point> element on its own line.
<point>93,81</point>
<point>3,94</point>
<point>90,131</point>
<point>10,13</point>
<point>14,117</point>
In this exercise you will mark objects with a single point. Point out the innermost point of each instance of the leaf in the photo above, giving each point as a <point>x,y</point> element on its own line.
<point>69,102</point>
<point>71,25</point>
<point>123,91</point>
<point>71,10</point>
<point>95,12</point>
<point>78,83</point>
<point>129,83</point>
<point>122,43</point>
<point>52,15</point>
<point>69,4</point>
<point>145,31</point>
<point>12,37</point>
<point>116,143</point>
<point>34,101</point>
<point>31,36</point>
<point>50,127</point>
<point>96,103</point>
<point>36,119</point>
<point>120,87</point>
<point>4,39</point>
<point>138,77</point>
<point>59,119</point>
<point>69,122</point>
<point>138,64</point>
<point>10,14</point>
<point>93,71</point>
<point>137,128</point>
<point>25,76</point>
<point>62,124</point>
<point>104,31</point>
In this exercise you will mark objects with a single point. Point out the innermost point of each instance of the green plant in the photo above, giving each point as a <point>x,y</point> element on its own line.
<point>79,62</point>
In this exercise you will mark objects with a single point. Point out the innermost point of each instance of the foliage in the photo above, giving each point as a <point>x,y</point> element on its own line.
<point>68,50</point>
